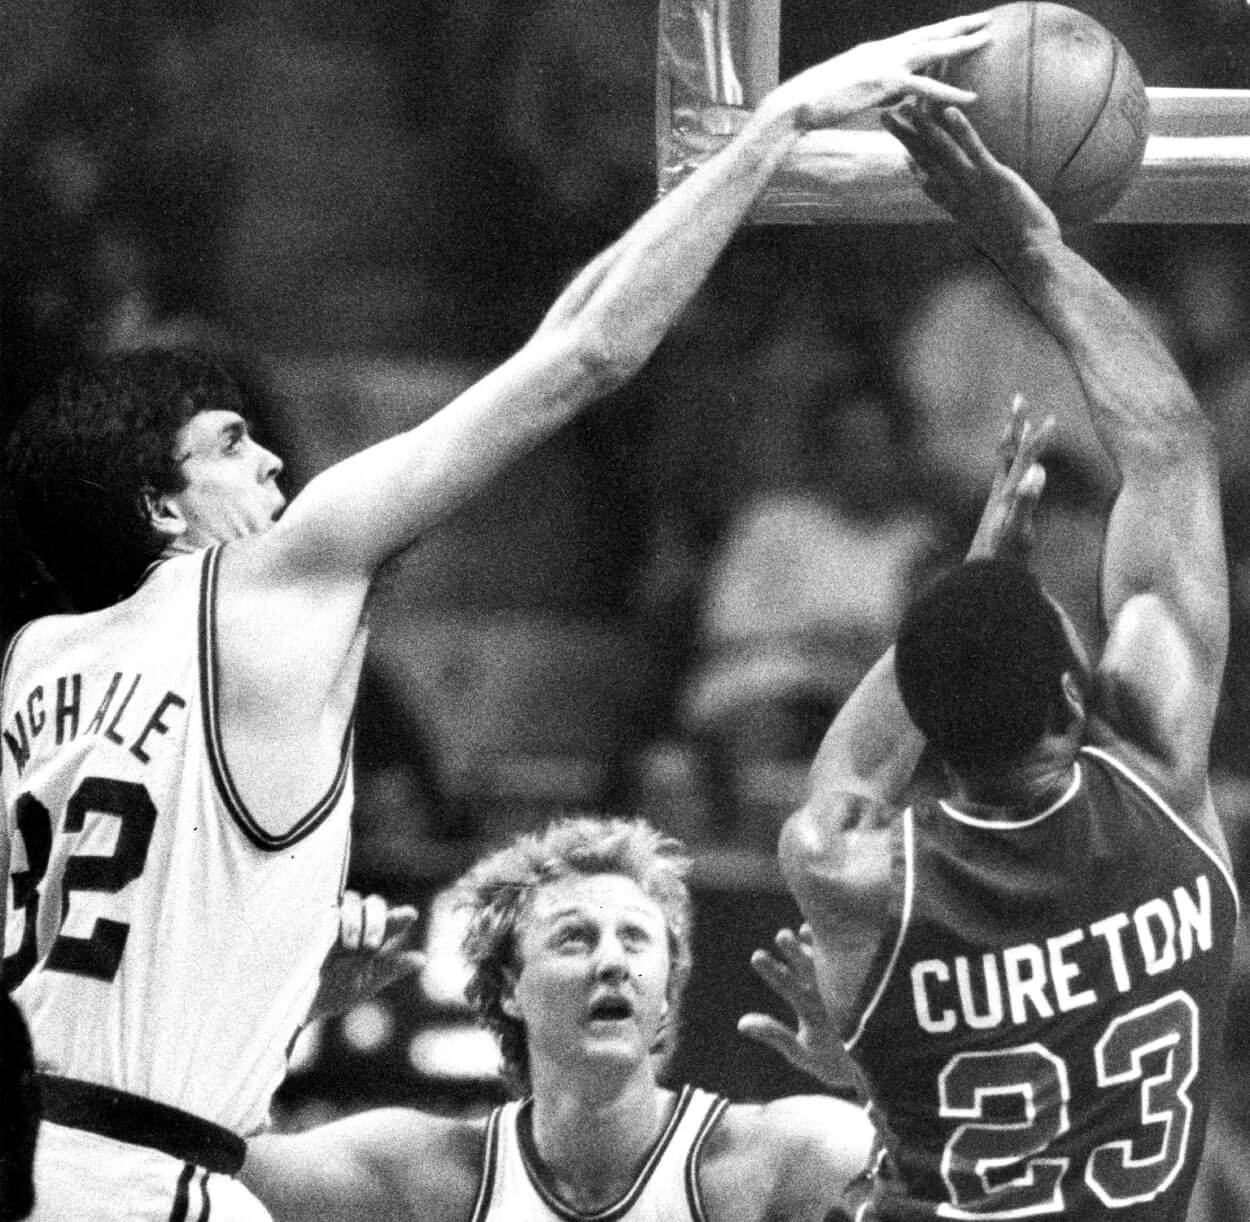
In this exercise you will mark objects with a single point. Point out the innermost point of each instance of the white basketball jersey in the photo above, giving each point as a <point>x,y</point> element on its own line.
<point>162,942</point>
<point>666,1189</point>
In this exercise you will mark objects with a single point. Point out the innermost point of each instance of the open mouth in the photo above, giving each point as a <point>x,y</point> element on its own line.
<point>611,1010</point>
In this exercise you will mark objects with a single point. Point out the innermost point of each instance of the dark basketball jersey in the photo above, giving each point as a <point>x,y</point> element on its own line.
<point>1042,1030</point>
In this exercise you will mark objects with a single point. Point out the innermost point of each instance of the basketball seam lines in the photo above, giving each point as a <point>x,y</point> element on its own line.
<point>1098,114</point>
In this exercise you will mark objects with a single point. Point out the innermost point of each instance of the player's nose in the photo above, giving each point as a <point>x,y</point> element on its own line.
<point>271,466</point>
<point>611,960</point>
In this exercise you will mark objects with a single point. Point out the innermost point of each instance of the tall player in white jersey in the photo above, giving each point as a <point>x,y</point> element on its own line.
<point>174,771</point>
<point>579,942</point>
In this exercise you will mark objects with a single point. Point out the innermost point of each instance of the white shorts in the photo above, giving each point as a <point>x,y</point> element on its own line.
<point>88,1178</point>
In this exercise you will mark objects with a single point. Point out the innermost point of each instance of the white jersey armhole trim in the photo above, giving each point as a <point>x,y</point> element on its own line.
<point>1129,775</point>
<point>1010,825</point>
<point>909,884</point>
<point>694,1193</point>
<point>307,823</point>
<point>490,1166</point>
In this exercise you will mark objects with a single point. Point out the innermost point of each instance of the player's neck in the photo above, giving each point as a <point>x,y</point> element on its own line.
<point>591,1143</point>
<point>1035,780</point>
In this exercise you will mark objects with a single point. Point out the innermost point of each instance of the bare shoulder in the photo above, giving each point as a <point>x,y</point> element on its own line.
<point>791,1157</point>
<point>1156,691</point>
<point>284,644</point>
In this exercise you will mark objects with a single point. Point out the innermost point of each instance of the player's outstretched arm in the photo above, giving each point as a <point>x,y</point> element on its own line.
<point>375,1166</point>
<point>791,1158</point>
<point>605,325</point>
<point>1164,577</point>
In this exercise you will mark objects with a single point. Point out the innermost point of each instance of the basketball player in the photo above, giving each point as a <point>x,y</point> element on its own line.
<point>1031,972</point>
<point>579,941</point>
<point>175,769</point>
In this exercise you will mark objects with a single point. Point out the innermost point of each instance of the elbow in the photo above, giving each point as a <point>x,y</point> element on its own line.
<point>1174,434</point>
<point>799,847</point>
<point>607,361</point>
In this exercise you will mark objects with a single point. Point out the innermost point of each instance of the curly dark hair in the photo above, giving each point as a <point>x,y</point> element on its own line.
<point>980,659</point>
<point>82,456</point>
<point>498,891</point>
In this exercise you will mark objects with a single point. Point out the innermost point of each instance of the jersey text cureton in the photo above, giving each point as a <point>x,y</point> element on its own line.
<point>1065,972</point>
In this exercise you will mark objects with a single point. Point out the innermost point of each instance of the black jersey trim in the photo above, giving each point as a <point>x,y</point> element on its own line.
<point>251,828</point>
<point>490,1167</point>
<point>6,662</point>
<point>121,1116</point>
<point>1165,809</point>
<point>182,1194</point>
<point>618,1209</point>
<point>694,1194</point>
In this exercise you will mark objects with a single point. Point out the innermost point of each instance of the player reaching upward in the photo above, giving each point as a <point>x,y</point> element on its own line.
<point>175,759</point>
<point>1031,972</point>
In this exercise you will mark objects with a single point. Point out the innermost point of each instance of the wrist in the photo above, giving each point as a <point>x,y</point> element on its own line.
<point>1027,254</point>
<point>781,114</point>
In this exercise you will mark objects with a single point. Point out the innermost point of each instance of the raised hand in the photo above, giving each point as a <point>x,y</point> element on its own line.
<point>812,1044</point>
<point>1006,529</point>
<point>997,209</point>
<point>883,72</point>
<point>376,947</point>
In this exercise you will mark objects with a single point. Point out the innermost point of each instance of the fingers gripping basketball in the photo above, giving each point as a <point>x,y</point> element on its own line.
<point>1061,102</point>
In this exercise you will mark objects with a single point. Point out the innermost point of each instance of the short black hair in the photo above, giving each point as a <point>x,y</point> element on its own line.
<point>84,452</point>
<point>980,659</point>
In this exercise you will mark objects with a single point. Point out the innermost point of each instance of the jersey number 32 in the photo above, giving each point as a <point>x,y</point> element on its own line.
<point>99,955</point>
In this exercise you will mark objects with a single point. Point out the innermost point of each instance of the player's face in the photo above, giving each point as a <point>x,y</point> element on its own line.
<point>593,977</point>
<point>232,482</point>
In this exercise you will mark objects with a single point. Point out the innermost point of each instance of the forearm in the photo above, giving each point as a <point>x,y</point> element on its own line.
<point>1163,534</point>
<point>630,296</point>
<point>295,1177</point>
<point>1141,407</point>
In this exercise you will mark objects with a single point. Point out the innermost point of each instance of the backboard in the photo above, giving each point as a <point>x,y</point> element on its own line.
<point>718,58</point>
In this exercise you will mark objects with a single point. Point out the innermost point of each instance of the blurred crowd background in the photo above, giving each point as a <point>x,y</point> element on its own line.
<point>364,204</point>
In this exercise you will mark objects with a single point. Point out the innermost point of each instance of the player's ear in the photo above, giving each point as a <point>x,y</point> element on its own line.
<point>1073,697</point>
<point>162,512</point>
<point>507,996</point>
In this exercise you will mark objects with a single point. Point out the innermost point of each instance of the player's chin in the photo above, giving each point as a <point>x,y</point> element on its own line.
<point>622,1040</point>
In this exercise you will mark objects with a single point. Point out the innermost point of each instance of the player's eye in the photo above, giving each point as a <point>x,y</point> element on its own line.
<point>635,936</point>
<point>572,935</point>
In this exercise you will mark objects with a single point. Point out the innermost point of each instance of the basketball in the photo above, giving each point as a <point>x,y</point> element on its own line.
<point>1061,102</point>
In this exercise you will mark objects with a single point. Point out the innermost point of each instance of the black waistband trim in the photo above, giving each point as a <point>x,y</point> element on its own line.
<point>141,1122</point>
